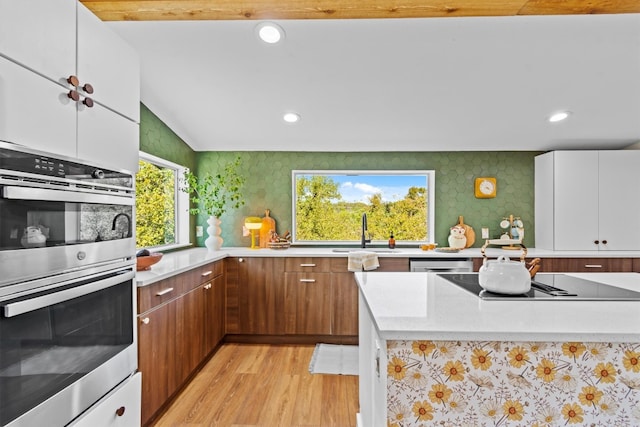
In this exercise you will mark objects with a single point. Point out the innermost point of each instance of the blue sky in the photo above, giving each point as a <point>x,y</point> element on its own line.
<point>361,187</point>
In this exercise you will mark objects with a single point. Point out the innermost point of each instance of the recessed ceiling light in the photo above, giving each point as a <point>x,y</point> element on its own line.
<point>559,116</point>
<point>291,117</point>
<point>269,32</point>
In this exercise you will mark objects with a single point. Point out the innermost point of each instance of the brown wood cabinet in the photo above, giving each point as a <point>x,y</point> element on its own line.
<point>308,303</point>
<point>345,292</point>
<point>308,296</point>
<point>157,358</point>
<point>255,295</point>
<point>580,265</point>
<point>588,265</point>
<point>214,327</point>
<point>180,322</point>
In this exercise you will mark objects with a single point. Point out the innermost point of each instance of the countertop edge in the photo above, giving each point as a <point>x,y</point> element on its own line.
<point>177,262</point>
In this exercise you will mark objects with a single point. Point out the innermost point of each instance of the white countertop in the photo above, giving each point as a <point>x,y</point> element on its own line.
<point>425,306</point>
<point>177,262</point>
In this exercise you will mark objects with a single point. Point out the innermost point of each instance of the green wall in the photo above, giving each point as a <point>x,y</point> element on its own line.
<point>268,183</point>
<point>268,186</point>
<point>156,138</point>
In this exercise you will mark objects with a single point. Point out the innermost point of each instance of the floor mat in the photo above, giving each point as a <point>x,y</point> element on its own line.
<point>334,359</point>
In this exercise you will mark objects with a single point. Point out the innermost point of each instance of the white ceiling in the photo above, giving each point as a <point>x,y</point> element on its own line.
<point>433,84</point>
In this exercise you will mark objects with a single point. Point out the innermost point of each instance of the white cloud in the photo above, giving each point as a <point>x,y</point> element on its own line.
<point>368,189</point>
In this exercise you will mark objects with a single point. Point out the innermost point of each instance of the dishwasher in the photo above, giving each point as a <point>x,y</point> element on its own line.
<point>440,265</point>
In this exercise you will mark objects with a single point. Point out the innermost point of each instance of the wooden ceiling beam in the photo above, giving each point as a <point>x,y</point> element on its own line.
<point>155,10</point>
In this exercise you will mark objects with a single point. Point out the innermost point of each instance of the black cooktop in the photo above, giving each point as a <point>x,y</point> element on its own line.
<point>548,287</point>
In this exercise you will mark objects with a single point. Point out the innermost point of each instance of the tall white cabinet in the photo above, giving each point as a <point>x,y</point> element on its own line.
<point>588,200</point>
<point>68,83</point>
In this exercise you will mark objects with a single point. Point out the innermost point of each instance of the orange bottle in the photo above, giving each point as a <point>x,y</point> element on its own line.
<point>268,224</point>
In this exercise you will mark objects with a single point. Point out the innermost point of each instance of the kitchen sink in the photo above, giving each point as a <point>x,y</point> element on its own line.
<point>378,250</point>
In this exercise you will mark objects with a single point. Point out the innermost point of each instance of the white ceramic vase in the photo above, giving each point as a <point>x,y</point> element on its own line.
<point>213,241</point>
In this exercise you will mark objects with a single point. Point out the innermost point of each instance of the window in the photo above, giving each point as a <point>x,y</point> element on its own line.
<point>328,206</point>
<point>162,217</point>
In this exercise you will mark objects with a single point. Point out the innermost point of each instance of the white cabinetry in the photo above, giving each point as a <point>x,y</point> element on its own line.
<point>52,40</point>
<point>40,35</point>
<point>27,101</point>
<point>120,408</point>
<point>588,200</point>
<point>372,362</point>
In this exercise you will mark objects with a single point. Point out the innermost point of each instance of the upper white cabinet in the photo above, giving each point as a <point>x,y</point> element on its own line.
<point>74,87</point>
<point>109,65</point>
<point>40,35</point>
<point>588,200</point>
<point>36,112</point>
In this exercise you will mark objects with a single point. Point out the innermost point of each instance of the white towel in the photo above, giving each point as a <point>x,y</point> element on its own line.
<point>362,260</point>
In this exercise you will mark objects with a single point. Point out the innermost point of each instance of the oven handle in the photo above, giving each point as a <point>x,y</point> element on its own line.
<point>12,309</point>
<point>27,193</point>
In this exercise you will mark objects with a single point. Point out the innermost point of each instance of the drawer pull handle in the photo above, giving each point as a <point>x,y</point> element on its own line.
<point>145,320</point>
<point>164,292</point>
<point>207,286</point>
<point>120,411</point>
<point>307,265</point>
<point>308,280</point>
<point>593,266</point>
<point>207,273</point>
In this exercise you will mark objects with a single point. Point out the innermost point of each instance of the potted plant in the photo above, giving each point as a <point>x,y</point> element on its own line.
<point>213,195</point>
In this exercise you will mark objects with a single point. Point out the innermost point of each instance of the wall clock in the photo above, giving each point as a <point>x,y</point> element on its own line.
<point>485,187</point>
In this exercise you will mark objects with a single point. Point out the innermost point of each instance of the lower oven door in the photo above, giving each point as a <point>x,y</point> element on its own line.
<point>62,349</point>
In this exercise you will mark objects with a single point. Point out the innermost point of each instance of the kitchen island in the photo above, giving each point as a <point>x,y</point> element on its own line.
<point>434,354</point>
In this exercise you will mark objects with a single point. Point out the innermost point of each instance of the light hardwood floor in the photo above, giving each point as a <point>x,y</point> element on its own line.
<point>254,385</point>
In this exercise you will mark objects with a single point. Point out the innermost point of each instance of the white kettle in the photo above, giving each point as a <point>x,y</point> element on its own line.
<point>504,276</point>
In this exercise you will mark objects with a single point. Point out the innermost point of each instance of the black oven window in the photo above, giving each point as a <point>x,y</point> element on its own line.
<point>43,351</point>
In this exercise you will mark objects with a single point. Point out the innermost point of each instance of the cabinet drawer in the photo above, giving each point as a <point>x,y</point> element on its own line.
<point>592,265</point>
<point>199,275</point>
<point>308,264</point>
<point>120,408</point>
<point>158,293</point>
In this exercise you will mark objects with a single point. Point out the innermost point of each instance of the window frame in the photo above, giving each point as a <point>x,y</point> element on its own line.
<point>181,203</point>
<point>430,214</point>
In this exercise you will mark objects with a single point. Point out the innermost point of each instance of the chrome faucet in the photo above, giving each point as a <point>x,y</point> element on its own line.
<point>363,237</point>
<point>129,225</point>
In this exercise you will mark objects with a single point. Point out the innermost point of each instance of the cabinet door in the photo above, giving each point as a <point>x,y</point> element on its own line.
<point>109,64</point>
<point>576,200</point>
<point>255,296</point>
<point>308,303</point>
<point>214,313</point>
<point>35,112</point>
<point>344,320</point>
<point>107,138</point>
<point>190,331</point>
<point>619,208</point>
<point>40,35</point>
<point>157,357</point>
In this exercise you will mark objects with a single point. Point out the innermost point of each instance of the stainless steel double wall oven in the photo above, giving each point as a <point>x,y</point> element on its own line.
<point>67,291</point>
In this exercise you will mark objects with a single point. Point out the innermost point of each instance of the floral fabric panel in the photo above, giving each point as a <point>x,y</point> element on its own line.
<point>467,383</point>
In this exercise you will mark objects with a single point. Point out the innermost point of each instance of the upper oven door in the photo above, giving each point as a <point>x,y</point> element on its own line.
<point>41,215</point>
<point>57,214</point>
<point>46,231</point>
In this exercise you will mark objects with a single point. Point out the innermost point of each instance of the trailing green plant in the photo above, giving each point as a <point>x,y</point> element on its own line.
<point>214,194</point>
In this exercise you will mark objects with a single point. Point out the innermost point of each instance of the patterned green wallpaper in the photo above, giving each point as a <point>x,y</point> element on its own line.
<point>268,183</point>
<point>268,186</point>
<point>156,138</point>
